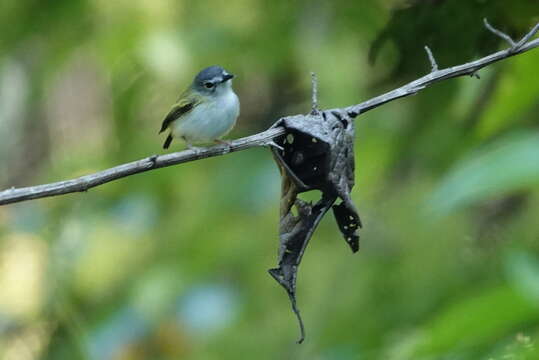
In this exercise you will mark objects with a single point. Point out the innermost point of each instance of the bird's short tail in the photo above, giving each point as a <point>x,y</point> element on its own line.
<point>167,142</point>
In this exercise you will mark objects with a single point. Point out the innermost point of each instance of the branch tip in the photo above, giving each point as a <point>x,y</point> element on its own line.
<point>499,33</point>
<point>527,37</point>
<point>433,64</point>
<point>314,84</point>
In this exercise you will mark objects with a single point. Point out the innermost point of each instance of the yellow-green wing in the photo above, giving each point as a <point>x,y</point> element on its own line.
<point>184,105</point>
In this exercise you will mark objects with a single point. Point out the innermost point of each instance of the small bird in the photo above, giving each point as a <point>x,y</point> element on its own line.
<point>206,111</point>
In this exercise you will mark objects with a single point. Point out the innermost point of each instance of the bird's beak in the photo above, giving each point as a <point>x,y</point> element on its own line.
<point>227,77</point>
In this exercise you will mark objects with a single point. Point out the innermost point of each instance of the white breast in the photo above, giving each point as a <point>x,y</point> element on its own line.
<point>209,121</point>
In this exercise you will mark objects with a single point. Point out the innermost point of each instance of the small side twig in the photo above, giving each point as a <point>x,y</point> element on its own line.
<point>433,64</point>
<point>499,33</point>
<point>515,46</point>
<point>314,82</point>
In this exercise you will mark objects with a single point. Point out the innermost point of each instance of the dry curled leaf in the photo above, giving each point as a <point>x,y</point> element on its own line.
<point>317,154</point>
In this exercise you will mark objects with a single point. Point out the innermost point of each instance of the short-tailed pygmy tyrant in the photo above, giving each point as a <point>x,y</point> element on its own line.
<point>206,111</point>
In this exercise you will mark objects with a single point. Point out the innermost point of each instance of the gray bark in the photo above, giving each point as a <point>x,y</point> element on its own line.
<point>265,138</point>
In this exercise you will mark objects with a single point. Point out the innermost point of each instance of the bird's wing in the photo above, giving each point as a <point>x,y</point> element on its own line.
<point>184,105</point>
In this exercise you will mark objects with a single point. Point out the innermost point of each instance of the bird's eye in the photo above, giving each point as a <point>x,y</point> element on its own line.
<point>208,84</point>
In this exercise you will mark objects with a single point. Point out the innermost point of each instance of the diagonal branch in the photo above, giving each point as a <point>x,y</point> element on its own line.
<point>527,37</point>
<point>415,86</point>
<point>264,138</point>
<point>86,182</point>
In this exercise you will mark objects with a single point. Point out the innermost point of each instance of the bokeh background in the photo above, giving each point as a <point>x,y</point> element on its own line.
<point>171,264</point>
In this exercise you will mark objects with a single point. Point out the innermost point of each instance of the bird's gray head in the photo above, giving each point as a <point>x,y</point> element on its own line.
<point>212,80</point>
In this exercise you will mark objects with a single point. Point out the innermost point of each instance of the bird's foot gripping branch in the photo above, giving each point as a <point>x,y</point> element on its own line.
<point>315,153</point>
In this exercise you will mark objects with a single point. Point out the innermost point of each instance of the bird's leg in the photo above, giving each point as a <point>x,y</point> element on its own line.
<point>189,145</point>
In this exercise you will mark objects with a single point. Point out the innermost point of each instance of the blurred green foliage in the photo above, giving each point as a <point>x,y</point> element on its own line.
<point>171,264</point>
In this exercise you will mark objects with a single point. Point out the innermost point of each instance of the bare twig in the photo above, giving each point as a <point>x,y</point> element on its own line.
<point>86,182</point>
<point>528,36</point>
<point>433,64</point>
<point>499,33</point>
<point>314,82</point>
<point>514,45</point>
<point>264,138</point>
<point>413,87</point>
